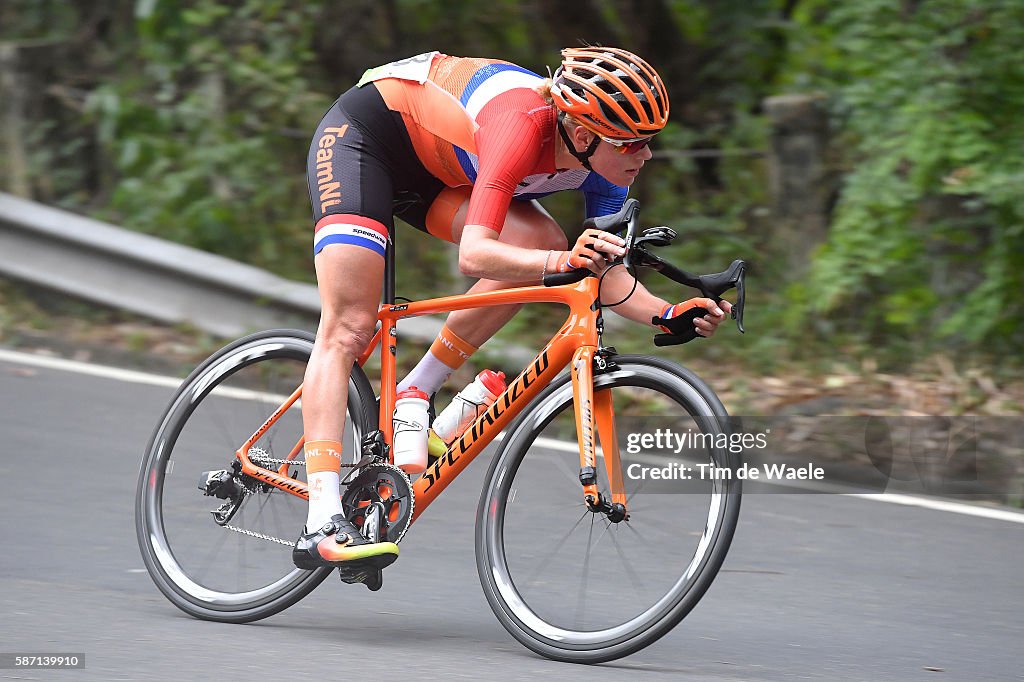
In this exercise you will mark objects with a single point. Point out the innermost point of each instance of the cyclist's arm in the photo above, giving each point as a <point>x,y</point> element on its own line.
<point>508,147</point>
<point>482,255</point>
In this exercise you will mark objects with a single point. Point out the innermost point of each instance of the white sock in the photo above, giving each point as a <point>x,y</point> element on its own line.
<point>324,499</point>
<point>428,375</point>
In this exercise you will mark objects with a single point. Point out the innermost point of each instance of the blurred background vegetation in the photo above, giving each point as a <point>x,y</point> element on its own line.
<point>191,120</point>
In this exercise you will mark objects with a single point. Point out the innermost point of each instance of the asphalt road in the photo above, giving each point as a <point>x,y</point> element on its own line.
<point>820,587</point>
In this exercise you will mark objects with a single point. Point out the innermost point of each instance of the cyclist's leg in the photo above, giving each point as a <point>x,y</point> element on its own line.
<point>347,319</point>
<point>350,189</point>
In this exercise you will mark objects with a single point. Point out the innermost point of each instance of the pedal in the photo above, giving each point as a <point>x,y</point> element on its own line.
<point>373,578</point>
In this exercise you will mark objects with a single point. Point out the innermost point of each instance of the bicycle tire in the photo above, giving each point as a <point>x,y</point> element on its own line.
<point>165,508</point>
<point>506,593</point>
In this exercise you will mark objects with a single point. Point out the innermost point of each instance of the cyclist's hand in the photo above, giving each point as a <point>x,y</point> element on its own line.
<point>593,250</point>
<point>683,319</point>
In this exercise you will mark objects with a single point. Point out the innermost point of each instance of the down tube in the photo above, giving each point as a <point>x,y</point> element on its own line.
<point>518,395</point>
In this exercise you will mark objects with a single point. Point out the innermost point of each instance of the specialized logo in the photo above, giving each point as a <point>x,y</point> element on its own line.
<point>330,190</point>
<point>587,416</point>
<point>282,482</point>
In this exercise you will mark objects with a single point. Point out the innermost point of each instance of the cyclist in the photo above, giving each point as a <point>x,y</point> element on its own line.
<point>462,148</point>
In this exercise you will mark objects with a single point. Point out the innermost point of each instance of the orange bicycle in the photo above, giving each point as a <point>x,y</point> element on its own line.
<point>579,558</point>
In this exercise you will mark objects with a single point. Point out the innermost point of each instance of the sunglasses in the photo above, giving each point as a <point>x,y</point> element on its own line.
<point>628,146</point>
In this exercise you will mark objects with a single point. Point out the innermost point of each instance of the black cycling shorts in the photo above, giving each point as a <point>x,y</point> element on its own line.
<point>362,165</point>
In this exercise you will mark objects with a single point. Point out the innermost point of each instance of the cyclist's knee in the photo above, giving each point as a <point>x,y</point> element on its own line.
<point>347,335</point>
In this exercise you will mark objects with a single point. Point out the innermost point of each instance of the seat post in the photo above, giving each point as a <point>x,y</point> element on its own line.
<point>389,270</point>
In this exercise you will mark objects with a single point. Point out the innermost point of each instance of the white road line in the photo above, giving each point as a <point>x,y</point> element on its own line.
<point>130,376</point>
<point>104,371</point>
<point>999,514</point>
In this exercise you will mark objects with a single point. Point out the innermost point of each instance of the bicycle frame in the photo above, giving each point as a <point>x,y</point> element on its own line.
<point>574,345</point>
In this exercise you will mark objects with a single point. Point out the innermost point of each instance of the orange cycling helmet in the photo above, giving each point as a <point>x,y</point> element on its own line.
<point>610,91</point>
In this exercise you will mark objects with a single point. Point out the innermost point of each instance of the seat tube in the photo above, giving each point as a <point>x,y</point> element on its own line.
<point>389,346</point>
<point>388,376</point>
<point>583,403</point>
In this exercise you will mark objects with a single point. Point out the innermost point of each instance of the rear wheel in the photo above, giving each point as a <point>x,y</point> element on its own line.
<point>235,565</point>
<point>572,584</point>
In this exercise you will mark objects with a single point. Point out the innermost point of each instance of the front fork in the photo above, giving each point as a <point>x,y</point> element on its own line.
<point>597,409</point>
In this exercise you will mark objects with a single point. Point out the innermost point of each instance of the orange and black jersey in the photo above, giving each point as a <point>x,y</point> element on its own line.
<point>467,122</point>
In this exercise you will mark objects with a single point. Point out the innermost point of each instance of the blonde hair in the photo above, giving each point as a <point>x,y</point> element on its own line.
<point>544,90</point>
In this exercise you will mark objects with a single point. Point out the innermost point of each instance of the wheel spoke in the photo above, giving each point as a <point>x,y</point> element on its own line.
<point>211,555</point>
<point>634,579</point>
<point>607,526</point>
<point>573,476</point>
<point>581,598</point>
<point>243,547</point>
<point>635,531</point>
<point>561,543</point>
<point>636,490</point>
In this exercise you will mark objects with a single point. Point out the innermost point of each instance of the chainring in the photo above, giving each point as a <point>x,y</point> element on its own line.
<point>388,486</point>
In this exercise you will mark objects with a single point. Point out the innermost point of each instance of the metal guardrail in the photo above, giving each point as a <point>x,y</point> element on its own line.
<point>168,282</point>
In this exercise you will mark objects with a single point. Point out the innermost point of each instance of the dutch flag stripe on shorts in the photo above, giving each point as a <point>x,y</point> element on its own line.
<point>350,229</point>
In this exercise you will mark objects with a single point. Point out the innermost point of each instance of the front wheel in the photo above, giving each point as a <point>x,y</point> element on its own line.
<point>573,585</point>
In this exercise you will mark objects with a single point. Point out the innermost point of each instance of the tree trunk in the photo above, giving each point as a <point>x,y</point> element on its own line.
<point>801,187</point>
<point>12,122</point>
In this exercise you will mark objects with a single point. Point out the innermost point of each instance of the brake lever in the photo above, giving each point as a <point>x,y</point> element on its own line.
<point>710,286</point>
<point>735,276</point>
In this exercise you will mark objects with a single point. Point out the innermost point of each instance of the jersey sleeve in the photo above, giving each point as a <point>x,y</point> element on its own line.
<point>508,147</point>
<point>602,197</point>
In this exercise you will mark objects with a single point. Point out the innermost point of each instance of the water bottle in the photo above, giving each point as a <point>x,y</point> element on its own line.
<point>468,404</point>
<point>411,422</point>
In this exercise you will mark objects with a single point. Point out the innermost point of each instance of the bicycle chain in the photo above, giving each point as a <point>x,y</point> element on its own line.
<point>261,536</point>
<point>261,457</point>
<point>252,486</point>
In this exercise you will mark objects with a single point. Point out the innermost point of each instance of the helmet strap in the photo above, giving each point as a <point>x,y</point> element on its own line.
<point>584,156</point>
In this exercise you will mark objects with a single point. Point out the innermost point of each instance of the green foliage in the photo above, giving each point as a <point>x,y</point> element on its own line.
<point>927,243</point>
<point>190,119</point>
<point>207,127</point>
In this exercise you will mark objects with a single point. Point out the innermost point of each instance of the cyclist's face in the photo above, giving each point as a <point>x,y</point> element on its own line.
<point>616,167</point>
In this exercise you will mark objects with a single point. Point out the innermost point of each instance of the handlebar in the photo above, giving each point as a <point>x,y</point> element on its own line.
<point>711,286</point>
